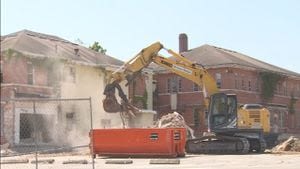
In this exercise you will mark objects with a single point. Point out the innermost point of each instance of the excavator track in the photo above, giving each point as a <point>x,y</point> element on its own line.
<point>218,145</point>
<point>257,145</point>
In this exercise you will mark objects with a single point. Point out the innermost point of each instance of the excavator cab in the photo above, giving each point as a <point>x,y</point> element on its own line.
<point>222,113</point>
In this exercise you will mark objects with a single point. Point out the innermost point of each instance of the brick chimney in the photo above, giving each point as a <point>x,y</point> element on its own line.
<point>76,51</point>
<point>183,42</point>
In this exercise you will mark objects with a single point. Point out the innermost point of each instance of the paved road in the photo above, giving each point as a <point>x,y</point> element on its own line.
<point>253,161</point>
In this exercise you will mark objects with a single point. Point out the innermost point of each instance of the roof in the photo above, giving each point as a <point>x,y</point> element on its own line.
<point>34,44</point>
<point>213,57</point>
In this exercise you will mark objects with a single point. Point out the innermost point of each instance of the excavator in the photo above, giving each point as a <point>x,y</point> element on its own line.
<point>226,134</point>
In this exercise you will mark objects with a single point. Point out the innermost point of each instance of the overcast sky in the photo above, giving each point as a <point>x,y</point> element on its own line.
<point>268,30</point>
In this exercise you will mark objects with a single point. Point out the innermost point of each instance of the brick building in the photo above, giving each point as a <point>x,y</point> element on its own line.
<point>36,65</point>
<point>234,73</point>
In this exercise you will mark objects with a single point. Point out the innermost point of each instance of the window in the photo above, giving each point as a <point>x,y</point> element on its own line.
<point>30,71</point>
<point>70,74</point>
<point>196,117</point>
<point>284,88</point>
<point>218,79</point>
<point>195,87</point>
<point>278,88</point>
<point>2,122</point>
<point>236,82</point>
<point>1,72</point>
<point>298,89</point>
<point>179,85</point>
<point>249,85</point>
<point>50,77</point>
<point>174,85</point>
<point>169,85</point>
<point>257,84</point>
<point>243,84</point>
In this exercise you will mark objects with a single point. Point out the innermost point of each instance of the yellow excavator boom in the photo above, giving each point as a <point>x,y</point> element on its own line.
<point>178,65</point>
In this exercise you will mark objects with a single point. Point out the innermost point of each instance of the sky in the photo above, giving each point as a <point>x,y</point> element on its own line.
<point>268,30</point>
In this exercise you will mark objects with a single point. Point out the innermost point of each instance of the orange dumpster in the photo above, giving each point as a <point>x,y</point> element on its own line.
<point>158,142</point>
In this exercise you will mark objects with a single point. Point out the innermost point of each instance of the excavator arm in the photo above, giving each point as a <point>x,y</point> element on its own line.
<point>224,135</point>
<point>178,65</point>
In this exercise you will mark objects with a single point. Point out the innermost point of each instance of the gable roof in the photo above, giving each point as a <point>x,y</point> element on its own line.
<point>34,44</point>
<point>212,56</point>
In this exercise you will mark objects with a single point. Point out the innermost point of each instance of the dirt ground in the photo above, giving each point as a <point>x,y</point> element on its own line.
<point>253,161</point>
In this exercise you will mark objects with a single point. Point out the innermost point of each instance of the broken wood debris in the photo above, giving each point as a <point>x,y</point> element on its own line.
<point>291,144</point>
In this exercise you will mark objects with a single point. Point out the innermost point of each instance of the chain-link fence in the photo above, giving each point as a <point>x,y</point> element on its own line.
<point>38,133</point>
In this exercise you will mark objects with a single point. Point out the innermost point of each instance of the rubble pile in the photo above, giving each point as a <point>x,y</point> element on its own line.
<point>173,120</point>
<point>170,120</point>
<point>291,144</point>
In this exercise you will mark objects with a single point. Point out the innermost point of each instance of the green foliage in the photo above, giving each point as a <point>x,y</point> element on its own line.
<point>98,48</point>
<point>292,103</point>
<point>268,85</point>
<point>12,53</point>
<point>142,99</point>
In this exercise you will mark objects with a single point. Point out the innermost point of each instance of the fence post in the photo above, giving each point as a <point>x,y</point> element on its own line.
<point>35,135</point>
<point>92,134</point>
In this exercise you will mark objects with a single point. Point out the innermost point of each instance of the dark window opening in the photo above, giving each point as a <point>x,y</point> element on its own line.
<point>34,126</point>
<point>195,87</point>
<point>196,117</point>
<point>179,85</point>
<point>249,85</point>
<point>243,84</point>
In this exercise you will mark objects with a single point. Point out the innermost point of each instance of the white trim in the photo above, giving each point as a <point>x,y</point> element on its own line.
<point>233,90</point>
<point>243,67</point>
<point>23,85</point>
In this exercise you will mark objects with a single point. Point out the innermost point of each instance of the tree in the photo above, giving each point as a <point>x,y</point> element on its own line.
<point>97,47</point>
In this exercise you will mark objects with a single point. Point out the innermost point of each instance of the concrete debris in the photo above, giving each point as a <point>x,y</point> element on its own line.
<point>5,149</point>
<point>164,161</point>
<point>118,162</point>
<point>75,162</point>
<point>43,161</point>
<point>173,120</point>
<point>14,161</point>
<point>291,144</point>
